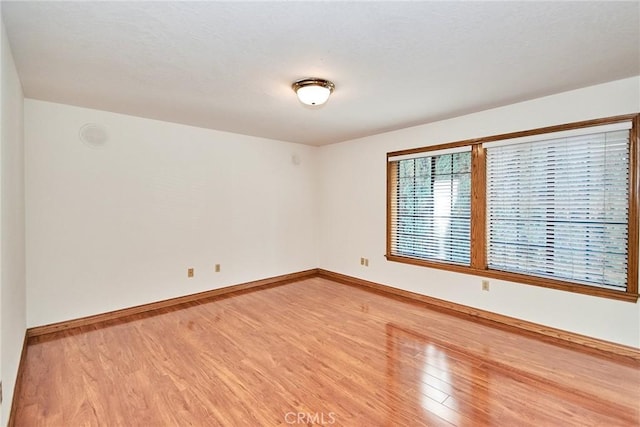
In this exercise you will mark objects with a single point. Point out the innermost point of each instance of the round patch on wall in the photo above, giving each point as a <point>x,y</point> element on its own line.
<point>93,134</point>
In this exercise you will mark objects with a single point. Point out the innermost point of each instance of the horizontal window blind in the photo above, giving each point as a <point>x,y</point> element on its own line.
<point>568,133</point>
<point>430,206</point>
<point>558,207</point>
<point>433,153</point>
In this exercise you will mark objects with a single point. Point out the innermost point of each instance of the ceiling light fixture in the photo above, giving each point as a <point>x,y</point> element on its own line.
<point>313,91</point>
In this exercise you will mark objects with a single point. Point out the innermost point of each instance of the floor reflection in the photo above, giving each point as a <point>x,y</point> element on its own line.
<point>443,383</point>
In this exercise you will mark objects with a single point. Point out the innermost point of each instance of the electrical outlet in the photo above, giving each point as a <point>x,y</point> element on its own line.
<point>217,268</point>
<point>190,272</point>
<point>361,261</point>
<point>485,285</point>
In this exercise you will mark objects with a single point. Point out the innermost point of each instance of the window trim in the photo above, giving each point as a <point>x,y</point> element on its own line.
<point>478,256</point>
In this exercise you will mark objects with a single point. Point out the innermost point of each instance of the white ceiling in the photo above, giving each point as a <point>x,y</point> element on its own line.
<point>229,65</point>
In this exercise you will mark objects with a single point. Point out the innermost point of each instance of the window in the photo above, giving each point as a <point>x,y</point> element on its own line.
<point>554,207</point>
<point>432,208</point>
<point>559,208</point>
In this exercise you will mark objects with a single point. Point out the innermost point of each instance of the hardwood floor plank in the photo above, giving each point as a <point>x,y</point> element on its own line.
<point>315,352</point>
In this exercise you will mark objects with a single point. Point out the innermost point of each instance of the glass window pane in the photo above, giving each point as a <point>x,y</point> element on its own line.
<point>559,208</point>
<point>434,208</point>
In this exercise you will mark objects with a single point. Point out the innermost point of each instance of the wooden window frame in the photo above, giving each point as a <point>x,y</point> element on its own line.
<point>478,265</point>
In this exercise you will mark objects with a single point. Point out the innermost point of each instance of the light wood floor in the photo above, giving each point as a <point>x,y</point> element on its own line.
<point>316,352</point>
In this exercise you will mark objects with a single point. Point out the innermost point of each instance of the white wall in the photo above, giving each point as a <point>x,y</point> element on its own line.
<point>118,225</point>
<point>353,214</point>
<point>12,227</point>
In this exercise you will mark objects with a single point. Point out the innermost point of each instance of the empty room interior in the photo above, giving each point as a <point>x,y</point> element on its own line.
<point>320,213</point>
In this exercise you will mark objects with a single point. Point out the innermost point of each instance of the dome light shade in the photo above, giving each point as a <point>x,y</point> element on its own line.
<point>313,92</point>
